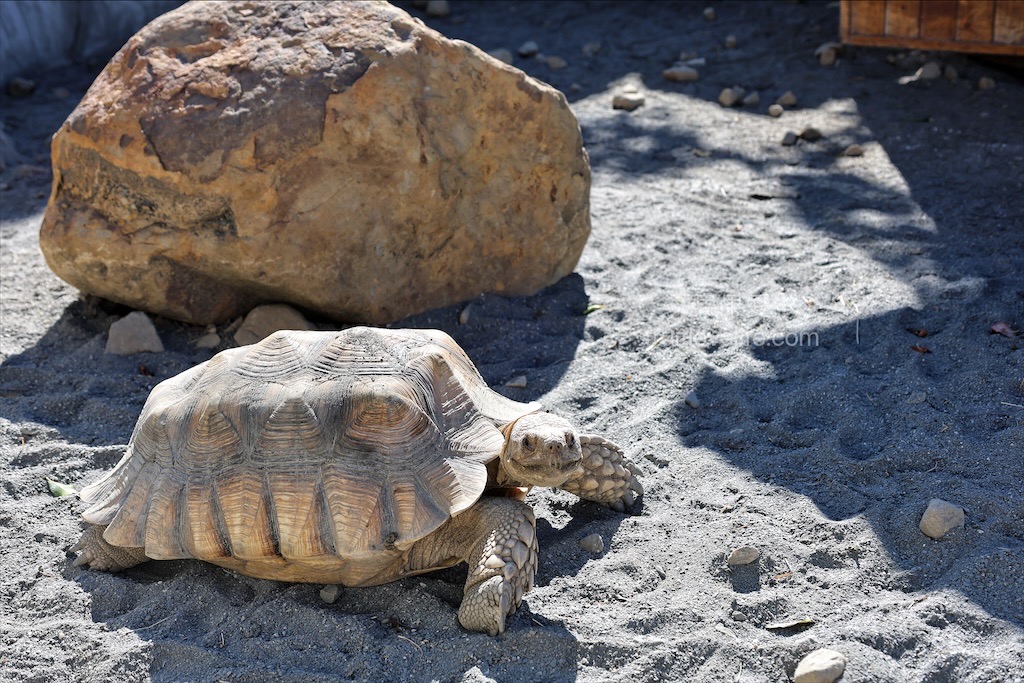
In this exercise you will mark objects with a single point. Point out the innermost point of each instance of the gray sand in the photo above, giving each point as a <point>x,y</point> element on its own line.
<point>777,284</point>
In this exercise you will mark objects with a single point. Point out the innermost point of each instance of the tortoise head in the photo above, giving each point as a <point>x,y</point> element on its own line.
<point>541,449</point>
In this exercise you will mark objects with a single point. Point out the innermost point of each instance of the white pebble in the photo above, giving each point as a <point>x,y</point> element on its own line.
<point>743,555</point>
<point>940,518</point>
<point>986,83</point>
<point>529,49</point>
<point>555,62</point>
<point>680,73</point>
<point>627,101</point>
<point>928,72</point>
<point>133,333</point>
<point>692,400</point>
<point>730,96</point>
<point>775,110</point>
<point>518,382</point>
<point>464,314</point>
<point>592,543</point>
<point>820,666</point>
<point>730,41</point>
<point>853,150</point>
<point>438,8</point>
<point>788,99</point>
<point>751,100</point>
<point>709,13</point>
<point>591,49</point>
<point>209,340</point>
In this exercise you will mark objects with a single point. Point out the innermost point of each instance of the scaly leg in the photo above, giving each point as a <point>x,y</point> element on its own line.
<point>497,537</point>
<point>607,476</point>
<point>99,554</point>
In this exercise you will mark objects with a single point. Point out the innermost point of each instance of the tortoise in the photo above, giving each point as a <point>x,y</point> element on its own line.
<point>355,457</point>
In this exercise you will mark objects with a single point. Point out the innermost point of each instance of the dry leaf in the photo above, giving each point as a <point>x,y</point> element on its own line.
<point>919,332</point>
<point>1003,329</point>
<point>592,308</point>
<point>921,349</point>
<point>779,625</point>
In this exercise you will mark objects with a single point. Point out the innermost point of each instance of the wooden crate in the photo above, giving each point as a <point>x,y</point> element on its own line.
<point>988,26</point>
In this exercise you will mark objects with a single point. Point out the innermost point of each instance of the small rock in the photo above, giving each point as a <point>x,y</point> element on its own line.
<point>529,49</point>
<point>133,333</point>
<point>591,49</point>
<point>680,73</point>
<point>575,87</point>
<point>827,53</point>
<point>743,555</point>
<point>464,314</point>
<point>692,400</point>
<point>950,72</point>
<point>517,382</point>
<point>330,594</point>
<point>61,93</point>
<point>730,96</point>
<point>811,134</point>
<point>928,72</point>
<point>263,321</point>
<point>555,62</point>
<point>775,110</point>
<point>738,616</point>
<point>502,55</point>
<point>788,99</point>
<point>210,340</point>
<point>789,139</point>
<point>695,61</point>
<point>592,543</point>
<point>986,83</point>
<point>20,87</point>
<point>627,101</point>
<point>853,150</point>
<point>820,666</point>
<point>438,8</point>
<point>709,13</point>
<point>660,571</point>
<point>940,518</point>
<point>751,100</point>
<point>730,42</point>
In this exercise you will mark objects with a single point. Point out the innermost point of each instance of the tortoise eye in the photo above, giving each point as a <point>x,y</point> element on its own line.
<point>526,443</point>
<point>570,439</point>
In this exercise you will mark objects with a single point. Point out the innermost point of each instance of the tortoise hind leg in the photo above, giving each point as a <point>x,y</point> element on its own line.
<point>497,537</point>
<point>99,554</point>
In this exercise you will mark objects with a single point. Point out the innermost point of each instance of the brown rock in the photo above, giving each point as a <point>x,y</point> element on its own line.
<point>133,333</point>
<point>233,153</point>
<point>263,321</point>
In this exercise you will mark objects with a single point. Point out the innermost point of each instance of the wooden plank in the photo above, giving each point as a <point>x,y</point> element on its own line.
<point>974,20</point>
<point>1009,22</point>
<point>903,18</point>
<point>938,20</point>
<point>867,17</point>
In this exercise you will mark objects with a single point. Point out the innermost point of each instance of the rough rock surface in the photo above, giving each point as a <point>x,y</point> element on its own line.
<point>263,321</point>
<point>821,666</point>
<point>940,518</point>
<point>133,333</point>
<point>339,156</point>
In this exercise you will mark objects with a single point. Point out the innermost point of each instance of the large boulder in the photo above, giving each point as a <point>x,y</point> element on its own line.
<point>338,156</point>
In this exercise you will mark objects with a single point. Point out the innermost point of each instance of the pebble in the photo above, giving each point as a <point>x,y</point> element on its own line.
<point>330,594</point>
<point>627,101</point>
<point>575,87</point>
<point>788,99</point>
<point>940,518</point>
<point>709,13</point>
<point>811,134</point>
<point>730,42</point>
<point>502,55</point>
<point>730,96</point>
<point>20,87</point>
<point>820,666</point>
<point>692,400</point>
<point>775,110</point>
<point>438,8</point>
<point>986,83</point>
<point>555,62</point>
<point>827,53</point>
<point>738,616</point>
<point>680,73</point>
<point>660,571</point>
<point>950,72</point>
<point>853,150</point>
<point>592,543</point>
<point>263,321</point>
<point>210,340</point>
<point>464,314</point>
<point>592,48</point>
<point>751,100</point>
<point>529,49</point>
<point>133,333</point>
<point>743,555</point>
<point>789,139</point>
<point>517,382</point>
<point>928,72</point>
<point>61,93</point>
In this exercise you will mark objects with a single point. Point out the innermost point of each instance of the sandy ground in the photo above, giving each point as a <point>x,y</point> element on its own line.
<point>775,285</point>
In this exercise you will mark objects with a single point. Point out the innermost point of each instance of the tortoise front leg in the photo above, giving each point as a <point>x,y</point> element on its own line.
<point>99,554</point>
<point>497,537</point>
<point>606,475</point>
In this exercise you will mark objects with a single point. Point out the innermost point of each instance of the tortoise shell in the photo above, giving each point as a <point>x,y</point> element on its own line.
<point>314,450</point>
